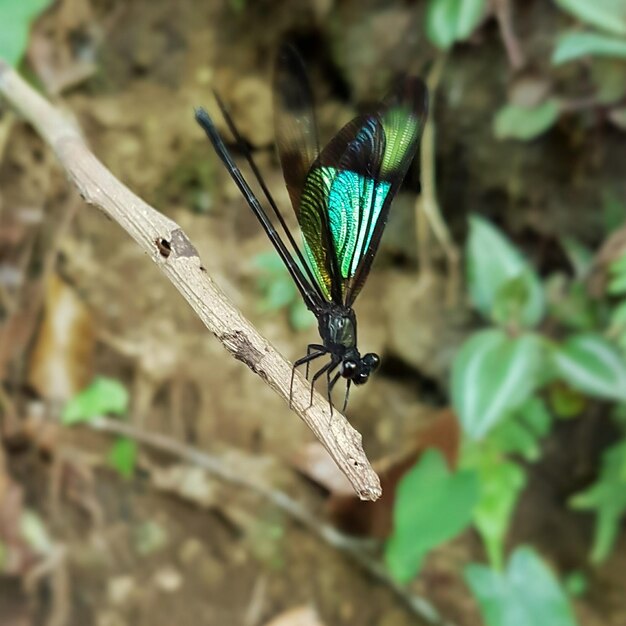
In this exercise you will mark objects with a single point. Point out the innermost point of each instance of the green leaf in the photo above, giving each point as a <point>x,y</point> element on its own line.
<point>613,208</point>
<point>579,256</point>
<point>521,433</point>
<point>617,285</point>
<point>104,396</point>
<point>300,317</point>
<point>238,6</point>
<point>576,584</point>
<point>278,294</point>
<point>470,12</point>
<point>535,414</point>
<point>608,498</point>
<point>618,316</point>
<point>571,46</point>
<point>16,17</point>
<point>501,483</point>
<point>513,437</point>
<point>492,375</point>
<point>269,262</point>
<point>619,265</point>
<point>500,280</point>
<point>526,594</point>
<point>432,505</point>
<point>448,21</point>
<point>511,299</point>
<point>569,303</point>
<point>617,326</point>
<point>608,76</point>
<point>565,401</point>
<point>279,291</point>
<point>592,365</point>
<point>608,15</point>
<point>123,456</point>
<point>617,272</point>
<point>525,123</point>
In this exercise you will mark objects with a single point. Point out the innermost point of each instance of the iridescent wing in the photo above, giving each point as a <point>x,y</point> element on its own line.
<point>294,121</point>
<point>347,193</point>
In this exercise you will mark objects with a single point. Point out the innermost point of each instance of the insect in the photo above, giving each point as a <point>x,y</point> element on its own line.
<point>341,196</point>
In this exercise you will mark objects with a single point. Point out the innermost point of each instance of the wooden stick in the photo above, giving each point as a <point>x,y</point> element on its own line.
<point>170,248</point>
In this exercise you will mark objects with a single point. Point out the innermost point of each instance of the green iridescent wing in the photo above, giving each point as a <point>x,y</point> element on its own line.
<point>347,193</point>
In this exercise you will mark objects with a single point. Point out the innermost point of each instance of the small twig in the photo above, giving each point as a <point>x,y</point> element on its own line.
<point>220,468</point>
<point>257,603</point>
<point>512,46</point>
<point>575,105</point>
<point>170,248</point>
<point>427,205</point>
<point>54,567</point>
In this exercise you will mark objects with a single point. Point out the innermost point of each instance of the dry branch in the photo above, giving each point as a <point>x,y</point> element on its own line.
<point>170,248</point>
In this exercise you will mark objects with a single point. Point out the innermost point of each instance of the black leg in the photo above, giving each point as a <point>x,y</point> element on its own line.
<point>331,384</point>
<point>312,346</point>
<point>331,364</point>
<point>305,359</point>
<point>345,400</point>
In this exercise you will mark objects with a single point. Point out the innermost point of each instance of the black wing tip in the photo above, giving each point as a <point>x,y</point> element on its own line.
<point>202,116</point>
<point>206,123</point>
<point>412,90</point>
<point>200,113</point>
<point>288,52</point>
<point>420,92</point>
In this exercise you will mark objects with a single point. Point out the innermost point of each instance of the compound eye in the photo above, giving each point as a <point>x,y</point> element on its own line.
<point>348,368</point>
<point>372,361</point>
<point>361,378</point>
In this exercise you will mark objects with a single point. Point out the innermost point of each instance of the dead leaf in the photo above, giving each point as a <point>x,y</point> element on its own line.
<point>374,519</point>
<point>314,462</point>
<point>190,483</point>
<point>301,616</point>
<point>61,361</point>
<point>63,45</point>
<point>23,537</point>
<point>529,89</point>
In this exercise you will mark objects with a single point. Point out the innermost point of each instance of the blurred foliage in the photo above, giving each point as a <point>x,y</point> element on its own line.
<point>123,456</point>
<point>518,122</point>
<point>617,288</point>
<point>571,46</point>
<point>502,285</point>
<point>103,396</point>
<point>576,584</point>
<point>525,593</point>
<point>432,506</point>
<point>279,291</point>
<point>16,18</point>
<point>512,381</point>
<point>448,21</point>
<point>493,374</point>
<point>452,21</point>
<point>509,383</point>
<point>604,14</point>
<point>607,496</point>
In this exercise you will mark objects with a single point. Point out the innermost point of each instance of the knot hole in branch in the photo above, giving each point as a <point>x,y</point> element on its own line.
<point>164,247</point>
